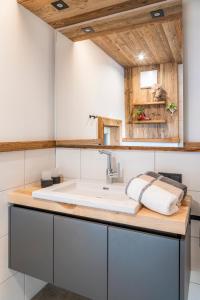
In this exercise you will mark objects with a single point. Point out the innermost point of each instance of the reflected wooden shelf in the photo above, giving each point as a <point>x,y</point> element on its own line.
<point>150,103</point>
<point>152,140</point>
<point>150,122</point>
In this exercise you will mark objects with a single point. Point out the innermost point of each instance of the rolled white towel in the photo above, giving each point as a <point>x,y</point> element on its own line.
<point>159,197</point>
<point>160,200</point>
<point>135,188</point>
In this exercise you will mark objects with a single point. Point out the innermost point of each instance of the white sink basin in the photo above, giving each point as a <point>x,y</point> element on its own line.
<point>91,194</point>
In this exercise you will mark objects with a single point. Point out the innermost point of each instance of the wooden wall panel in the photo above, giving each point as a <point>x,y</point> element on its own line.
<point>169,131</point>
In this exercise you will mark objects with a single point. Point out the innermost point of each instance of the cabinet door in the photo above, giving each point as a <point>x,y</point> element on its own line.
<point>185,264</point>
<point>142,266</point>
<point>31,243</point>
<point>80,261</point>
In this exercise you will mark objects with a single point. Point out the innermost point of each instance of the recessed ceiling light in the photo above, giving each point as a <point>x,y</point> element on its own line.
<point>60,5</point>
<point>88,29</point>
<point>158,13</point>
<point>141,56</point>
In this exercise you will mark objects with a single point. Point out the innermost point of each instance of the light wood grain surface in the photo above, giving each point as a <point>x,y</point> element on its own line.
<point>124,21</point>
<point>145,218</point>
<point>93,144</point>
<point>26,145</point>
<point>115,126</point>
<point>186,148</point>
<point>160,42</point>
<point>162,125</point>
<point>81,10</point>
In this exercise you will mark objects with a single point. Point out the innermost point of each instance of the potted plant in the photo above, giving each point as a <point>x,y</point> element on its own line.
<point>171,107</point>
<point>140,114</point>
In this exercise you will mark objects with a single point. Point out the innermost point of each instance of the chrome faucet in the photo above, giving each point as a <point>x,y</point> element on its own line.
<point>110,173</point>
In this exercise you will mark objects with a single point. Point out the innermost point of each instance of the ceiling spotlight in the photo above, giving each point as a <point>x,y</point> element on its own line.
<point>158,13</point>
<point>88,29</point>
<point>141,56</point>
<point>59,5</point>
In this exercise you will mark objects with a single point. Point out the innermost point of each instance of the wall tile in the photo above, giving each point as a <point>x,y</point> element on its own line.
<point>37,161</point>
<point>93,165</point>
<point>68,161</point>
<point>186,163</point>
<point>194,291</point>
<point>195,229</point>
<point>195,202</point>
<point>13,288</point>
<point>3,213</point>
<point>195,260</point>
<point>133,163</point>
<point>5,273</point>
<point>32,287</point>
<point>12,170</point>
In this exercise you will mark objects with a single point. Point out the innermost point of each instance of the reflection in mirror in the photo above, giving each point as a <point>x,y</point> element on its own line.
<point>148,79</point>
<point>128,70</point>
<point>106,135</point>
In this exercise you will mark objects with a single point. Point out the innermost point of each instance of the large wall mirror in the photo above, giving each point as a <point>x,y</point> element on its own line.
<point>126,70</point>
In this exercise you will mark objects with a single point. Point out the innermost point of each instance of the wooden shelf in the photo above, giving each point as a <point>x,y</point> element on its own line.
<point>156,140</point>
<point>150,103</point>
<point>150,122</point>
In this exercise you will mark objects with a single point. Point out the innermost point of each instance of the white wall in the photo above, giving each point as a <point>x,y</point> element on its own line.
<point>26,101</point>
<point>87,81</point>
<point>26,75</point>
<point>191,69</point>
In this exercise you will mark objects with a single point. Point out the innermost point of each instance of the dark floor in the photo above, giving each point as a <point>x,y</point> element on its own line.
<point>50,292</point>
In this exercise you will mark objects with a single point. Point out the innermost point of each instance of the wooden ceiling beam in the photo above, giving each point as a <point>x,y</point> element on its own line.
<point>123,21</point>
<point>143,23</point>
<point>103,12</point>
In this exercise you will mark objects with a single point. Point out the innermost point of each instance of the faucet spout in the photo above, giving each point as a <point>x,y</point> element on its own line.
<point>110,174</point>
<point>109,159</point>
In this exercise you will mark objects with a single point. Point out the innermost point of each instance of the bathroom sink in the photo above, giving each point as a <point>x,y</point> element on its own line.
<point>91,194</point>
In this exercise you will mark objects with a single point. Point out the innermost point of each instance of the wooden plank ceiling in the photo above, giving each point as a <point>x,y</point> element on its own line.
<point>123,29</point>
<point>123,21</point>
<point>157,42</point>
<point>80,10</point>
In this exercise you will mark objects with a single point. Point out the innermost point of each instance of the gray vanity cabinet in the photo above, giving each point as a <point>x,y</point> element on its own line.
<point>80,257</point>
<point>142,266</point>
<point>31,243</point>
<point>99,261</point>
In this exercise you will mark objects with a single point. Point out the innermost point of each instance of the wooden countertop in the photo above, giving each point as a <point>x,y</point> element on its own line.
<point>145,218</point>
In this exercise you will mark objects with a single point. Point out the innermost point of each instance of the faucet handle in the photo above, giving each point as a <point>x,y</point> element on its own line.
<point>113,174</point>
<point>104,152</point>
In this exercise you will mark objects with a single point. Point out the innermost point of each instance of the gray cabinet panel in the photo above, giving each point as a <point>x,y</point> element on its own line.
<point>142,266</point>
<point>31,243</point>
<point>185,264</point>
<point>80,257</point>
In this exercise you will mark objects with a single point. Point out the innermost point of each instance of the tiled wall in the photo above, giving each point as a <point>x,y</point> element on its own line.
<point>89,164</point>
<point>18,169</point>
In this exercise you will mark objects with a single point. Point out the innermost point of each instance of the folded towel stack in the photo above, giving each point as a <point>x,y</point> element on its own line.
<point>157,192</point>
